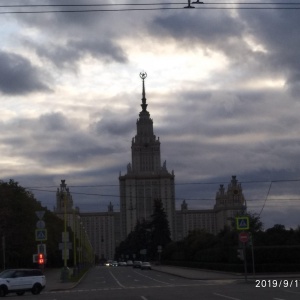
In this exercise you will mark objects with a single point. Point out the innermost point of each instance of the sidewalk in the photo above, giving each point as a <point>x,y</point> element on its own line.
<point>196,274</point>
<point>54,283</point>
<point>200,274</point>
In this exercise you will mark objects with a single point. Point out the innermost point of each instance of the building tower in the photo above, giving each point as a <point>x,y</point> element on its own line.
<point>229,203</point>
<point>146,179</point>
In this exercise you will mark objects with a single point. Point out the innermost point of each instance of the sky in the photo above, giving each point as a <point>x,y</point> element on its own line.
<point>222,89</point>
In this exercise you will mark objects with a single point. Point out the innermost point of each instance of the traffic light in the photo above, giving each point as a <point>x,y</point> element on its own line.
<point>41,258</point>
<point>240,254</point>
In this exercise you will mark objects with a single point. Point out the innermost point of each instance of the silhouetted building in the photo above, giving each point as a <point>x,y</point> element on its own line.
<point>229,204</point>
<point>146,179</point>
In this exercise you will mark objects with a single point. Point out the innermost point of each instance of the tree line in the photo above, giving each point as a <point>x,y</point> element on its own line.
<point>273,249</point>
<point>17,228</point>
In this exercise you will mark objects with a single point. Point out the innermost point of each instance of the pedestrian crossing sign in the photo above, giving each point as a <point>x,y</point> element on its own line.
<point>41,234</point>
<point>242,223</point>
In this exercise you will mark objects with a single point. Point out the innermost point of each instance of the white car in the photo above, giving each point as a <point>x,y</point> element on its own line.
<point>20,281</point>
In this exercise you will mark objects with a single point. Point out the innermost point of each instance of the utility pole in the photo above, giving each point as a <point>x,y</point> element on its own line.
<point>3,248</point>
<point>252,250</point>
<point>65,232</point>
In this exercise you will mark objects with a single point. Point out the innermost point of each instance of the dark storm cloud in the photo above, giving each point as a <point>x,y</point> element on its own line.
<point>69,37</point>
<point>53,140</point>
<point>208,30</point>
<point>278,32</point>
<point>18,76</point>
<point>208,27</point>
<point>109,126</point>
<point>70,53</point>
<point>53,122</point>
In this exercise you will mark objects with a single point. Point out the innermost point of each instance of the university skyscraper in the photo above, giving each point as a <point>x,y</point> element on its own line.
<point>146,179</point>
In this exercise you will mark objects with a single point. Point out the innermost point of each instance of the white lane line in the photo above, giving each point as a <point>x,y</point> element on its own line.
<point>278,299</point>
<point>292,292</point>
<point>117,281</point>
<point>227,297</point>
<point>152,278</point>
<point>144,298</point>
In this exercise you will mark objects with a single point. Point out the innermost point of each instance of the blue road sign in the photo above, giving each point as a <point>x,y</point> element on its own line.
<point>41,234</point>
<point>242,223</point>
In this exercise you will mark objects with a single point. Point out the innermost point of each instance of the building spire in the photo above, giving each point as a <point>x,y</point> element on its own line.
<point>144,105</point>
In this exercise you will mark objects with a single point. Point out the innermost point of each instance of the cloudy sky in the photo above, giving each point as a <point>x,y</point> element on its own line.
<point>223,89</point>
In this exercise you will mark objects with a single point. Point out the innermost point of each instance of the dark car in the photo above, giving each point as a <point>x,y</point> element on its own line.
<point>129,263</point>
<point>137,264</point>
<point>146,266</point>
<point>114,264</point>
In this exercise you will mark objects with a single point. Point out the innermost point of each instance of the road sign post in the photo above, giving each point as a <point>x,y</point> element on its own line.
<point>40,236</point>
<point>252,250</point>
<point>245,261</point>
<point>244,238</point>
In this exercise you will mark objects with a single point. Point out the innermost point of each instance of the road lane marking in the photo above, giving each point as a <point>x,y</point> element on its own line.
<point>117,281</point>
<point>291,292</point>
<point>144,298</point>
<point>152,278</point>
<point>278,299</point>
<point>227,297</point>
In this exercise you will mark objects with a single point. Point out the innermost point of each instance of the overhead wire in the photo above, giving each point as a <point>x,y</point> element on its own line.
<point>42,189</point>
<point>148,4</point>
<point>176,184</point>
<point>249,201</point>
<point>203,5</point>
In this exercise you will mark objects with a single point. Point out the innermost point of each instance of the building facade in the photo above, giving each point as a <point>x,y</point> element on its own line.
<point>229,204</point>
<point>100,230</point>
<point>103,230</point>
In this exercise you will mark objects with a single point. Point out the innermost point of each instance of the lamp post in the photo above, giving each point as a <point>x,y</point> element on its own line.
<point>65,232</point>
<point>65,272</point>
<point>75,270</point>
<point>80,244</point>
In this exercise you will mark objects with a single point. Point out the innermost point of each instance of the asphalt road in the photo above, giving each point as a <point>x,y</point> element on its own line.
<point>126,283</point>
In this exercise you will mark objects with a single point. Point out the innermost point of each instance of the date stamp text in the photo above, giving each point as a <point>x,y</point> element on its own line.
<point>277,283</point>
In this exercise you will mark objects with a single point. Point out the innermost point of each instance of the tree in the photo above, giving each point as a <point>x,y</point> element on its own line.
<point>147,235</point>
<point>136,240</point>
<point>18,223</point>
<point>160,231</point>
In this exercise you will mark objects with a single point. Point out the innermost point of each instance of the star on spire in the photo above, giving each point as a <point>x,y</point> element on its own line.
<point>144,105</point>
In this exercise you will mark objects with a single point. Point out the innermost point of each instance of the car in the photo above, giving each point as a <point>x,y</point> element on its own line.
<point>122,263</point>
<point>109,263</point>
<point>114,264</point>
<point>129,263</point>
<point>146,266</point>
<point>20,281</point>
<point>137,264</point>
